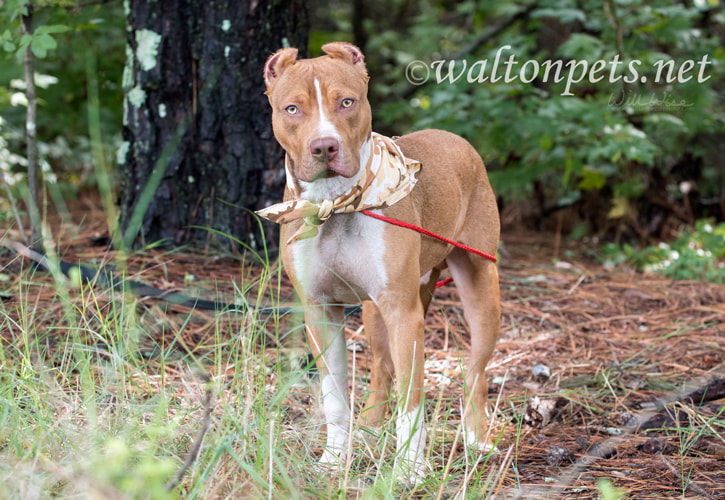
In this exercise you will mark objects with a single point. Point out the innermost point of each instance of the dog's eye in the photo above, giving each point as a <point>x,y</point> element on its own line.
<point>291,109</point>
<point>346,103</point>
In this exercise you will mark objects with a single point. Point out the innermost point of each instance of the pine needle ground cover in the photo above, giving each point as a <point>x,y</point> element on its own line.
<point>604,384</point>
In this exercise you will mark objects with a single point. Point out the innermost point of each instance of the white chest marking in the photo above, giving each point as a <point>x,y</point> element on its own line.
<point>344,263</point>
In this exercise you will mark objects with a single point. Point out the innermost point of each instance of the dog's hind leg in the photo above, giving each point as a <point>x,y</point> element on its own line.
<point>327,341</point>
<point>428,285</point>
<point>477,281</point>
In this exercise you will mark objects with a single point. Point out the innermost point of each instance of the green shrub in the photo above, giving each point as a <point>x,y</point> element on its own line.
<point>696,254</point>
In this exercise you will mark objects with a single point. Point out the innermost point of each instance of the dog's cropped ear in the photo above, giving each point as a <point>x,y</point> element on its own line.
<point>347,52</point>
<point>276,64</point>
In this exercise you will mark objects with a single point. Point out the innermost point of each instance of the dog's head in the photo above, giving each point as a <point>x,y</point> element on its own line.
<point>320,110</point>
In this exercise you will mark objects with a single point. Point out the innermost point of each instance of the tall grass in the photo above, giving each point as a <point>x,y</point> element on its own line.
<point>97,400</point>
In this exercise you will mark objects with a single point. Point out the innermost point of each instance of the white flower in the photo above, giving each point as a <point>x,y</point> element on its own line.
<point>17,84</point>
<point>45,81</point>
<point>18,99</point>
<point>609,130</point>
<point>48,173</point>
<point>637,132</point>
<point>18,160</point>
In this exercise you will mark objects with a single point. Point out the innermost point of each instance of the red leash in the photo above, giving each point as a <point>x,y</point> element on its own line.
<point>444,282</point>
<point>406,225</point>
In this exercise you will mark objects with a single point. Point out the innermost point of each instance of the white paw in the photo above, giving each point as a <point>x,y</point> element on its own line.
<point>330,461</point>
<point>410,465</point>
<point>473,443</point>
<point>410,474</point>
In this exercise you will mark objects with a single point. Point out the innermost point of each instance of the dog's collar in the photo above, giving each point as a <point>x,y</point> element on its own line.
<point>387,178</point>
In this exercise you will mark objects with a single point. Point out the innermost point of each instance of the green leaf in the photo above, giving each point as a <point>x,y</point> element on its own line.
<point>592,179</point>
<point>39,50</point>
<point>22,46</point>
<point>620,208</point>
<point>25,41</point>
<point>42,44</point>
<point>562,15</point>
<point>51,28</point>
<point>7,41</point>
<point>581,46</point>
<point>608,491</point>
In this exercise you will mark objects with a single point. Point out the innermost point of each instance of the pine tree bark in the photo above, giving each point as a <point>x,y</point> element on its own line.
<point>195,111</point>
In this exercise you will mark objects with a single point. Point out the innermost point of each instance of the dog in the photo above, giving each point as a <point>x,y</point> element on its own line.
<point>334,254</point>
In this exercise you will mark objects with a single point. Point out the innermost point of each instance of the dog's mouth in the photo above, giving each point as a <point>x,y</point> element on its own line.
<point>340,166</point>
<point>327,173</point>
<point>325,170</point>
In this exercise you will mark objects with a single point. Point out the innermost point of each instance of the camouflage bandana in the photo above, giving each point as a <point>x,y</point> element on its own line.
<point>387,178</point>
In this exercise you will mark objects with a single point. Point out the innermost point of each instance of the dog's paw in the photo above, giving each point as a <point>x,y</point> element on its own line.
<point>410,474</point>
<point>331,461</point>
<point>483,447</point>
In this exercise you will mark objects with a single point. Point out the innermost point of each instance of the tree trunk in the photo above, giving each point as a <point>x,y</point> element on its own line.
<point>198,151</point>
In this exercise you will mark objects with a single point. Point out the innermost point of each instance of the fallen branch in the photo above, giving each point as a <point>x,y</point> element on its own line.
<point>711,391</point>
<point>106,277</point>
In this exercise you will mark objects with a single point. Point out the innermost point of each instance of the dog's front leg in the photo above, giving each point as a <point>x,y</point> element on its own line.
<point>326,337</point>
<point>403,314</point>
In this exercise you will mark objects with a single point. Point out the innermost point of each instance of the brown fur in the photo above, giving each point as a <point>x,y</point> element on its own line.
<point>452,198</point>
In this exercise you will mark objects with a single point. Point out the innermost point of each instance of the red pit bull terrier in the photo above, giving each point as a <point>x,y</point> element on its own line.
<point>334,255</point>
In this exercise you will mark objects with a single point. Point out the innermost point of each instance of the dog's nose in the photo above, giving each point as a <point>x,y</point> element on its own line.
<point>324,148</point>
